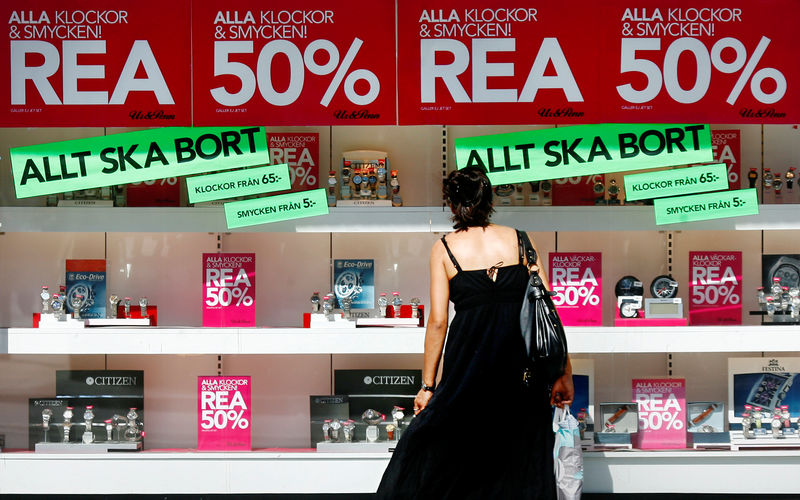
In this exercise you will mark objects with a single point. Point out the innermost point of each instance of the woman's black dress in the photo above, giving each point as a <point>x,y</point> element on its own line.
<point>484,434</point>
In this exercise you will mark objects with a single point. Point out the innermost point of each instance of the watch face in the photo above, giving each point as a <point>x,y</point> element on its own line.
<point>788,273</point>
<point>664,287</point>
<point>331,181</point>
<point>613,189</point>
<point>356,179</point>
<point>599,188</point>
<point>628,286</point>
<point>547,186</point>
<point>628,310</point>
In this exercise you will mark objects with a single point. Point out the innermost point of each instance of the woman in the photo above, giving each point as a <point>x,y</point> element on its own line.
<point>481,433</point>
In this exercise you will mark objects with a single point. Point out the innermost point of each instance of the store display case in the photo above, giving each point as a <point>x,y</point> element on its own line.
<point>155,252</point>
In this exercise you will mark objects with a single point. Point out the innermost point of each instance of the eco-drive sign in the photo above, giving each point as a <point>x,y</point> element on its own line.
<point>583,150</point>
<point>134,157</point>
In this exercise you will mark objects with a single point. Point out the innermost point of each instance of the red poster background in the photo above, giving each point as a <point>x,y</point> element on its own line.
<point>576,190</point>
<point>55,26</point>
<point>727,145</point>
<point>714,298</point>
<point>294,27</point>
<point>301,152</point>
<point>589,38</point>
<point>158,193</point>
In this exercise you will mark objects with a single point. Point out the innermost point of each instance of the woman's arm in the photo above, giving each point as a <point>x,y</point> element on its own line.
<point>437,325</point>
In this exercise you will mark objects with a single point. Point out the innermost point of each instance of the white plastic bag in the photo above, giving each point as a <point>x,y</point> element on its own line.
<point>567,455</point>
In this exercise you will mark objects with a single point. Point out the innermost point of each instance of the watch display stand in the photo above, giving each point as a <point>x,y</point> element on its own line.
<point>98,447</point>
<point>642,321</point>
<point>357,447</point>
<point>51,321</point>
<point>620,421</point>
<point>320,320</point>
<point>706,425</point>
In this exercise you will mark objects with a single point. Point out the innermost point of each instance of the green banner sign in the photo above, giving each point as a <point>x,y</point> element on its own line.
<point>706,206</point>
<point>676,182</point>
<point>238,183</point>
<point>134,157</point>
<point>555,153</point>
<point>276,208</point>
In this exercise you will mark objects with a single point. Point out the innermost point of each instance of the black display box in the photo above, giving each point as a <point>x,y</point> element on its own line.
<point>326,408</point>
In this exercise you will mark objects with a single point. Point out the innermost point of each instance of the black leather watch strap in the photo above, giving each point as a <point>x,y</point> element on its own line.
<point>429,388</point>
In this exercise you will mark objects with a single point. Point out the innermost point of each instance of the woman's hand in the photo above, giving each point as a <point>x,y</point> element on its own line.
<point>563,391</point>
<point>421,401</point>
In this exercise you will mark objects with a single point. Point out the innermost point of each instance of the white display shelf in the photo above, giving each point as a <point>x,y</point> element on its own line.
<point>189,472</point>
<point>375,219</point>
<point>581,340</point>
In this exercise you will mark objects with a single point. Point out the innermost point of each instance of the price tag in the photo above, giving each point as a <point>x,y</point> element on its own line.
<point>238,183</point>
<point>706,206</point>
<point>276,208</point>
<point>715,288</point>
<point>577,279</point>
<point>229,289</point>
<point>662,412</point>
<point>223,413</point>
<point>676,182</point>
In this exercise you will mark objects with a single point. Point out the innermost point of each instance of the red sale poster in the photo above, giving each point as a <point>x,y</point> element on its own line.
<point>158,193</point>
<point>94,63</point>
<point>229,289</point>
<point>477,62</point>
<point>726,145</point>
<point>662,413</point>
<point>715,288</point>
<point>301,152</point>
<point>572,191</point>
<point>577,277</point>
<point>280,63</point>
<point>223,413</point>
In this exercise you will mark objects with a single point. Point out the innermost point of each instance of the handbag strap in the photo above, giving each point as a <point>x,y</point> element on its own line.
<point>526,248</point>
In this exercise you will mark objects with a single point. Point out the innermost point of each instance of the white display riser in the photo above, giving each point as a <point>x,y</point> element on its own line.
<point>303,472</point>
<point>352,220</point>
<point>582,340</point>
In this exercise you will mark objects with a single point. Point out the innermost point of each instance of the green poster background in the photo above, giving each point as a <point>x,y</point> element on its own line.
<point>706,206</point>
<point>276,208</point>
<point>676,182</point>
<point>555,153</point>
<point>238,183</point>
<point>134,157</point>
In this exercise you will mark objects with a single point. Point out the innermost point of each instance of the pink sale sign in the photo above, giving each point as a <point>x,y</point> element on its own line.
<point>662,412</point>
<point>715,288</point>
<point>577,277</point>
<point>229,289</point>
<point>223,413</point>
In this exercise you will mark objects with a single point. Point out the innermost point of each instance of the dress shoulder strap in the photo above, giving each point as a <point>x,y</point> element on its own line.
<point>452,257</point>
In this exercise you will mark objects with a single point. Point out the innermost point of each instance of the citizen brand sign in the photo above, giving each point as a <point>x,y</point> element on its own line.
<point>110,380</point>
<point>377,382</point>
<point>390,380</point>
<point>103,383</point>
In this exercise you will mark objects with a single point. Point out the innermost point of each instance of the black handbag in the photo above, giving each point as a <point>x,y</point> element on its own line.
<point>542,330</point>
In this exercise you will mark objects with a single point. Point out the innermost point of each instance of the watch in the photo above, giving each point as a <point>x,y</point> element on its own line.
<point>664,287</point>
<point>428,388</point>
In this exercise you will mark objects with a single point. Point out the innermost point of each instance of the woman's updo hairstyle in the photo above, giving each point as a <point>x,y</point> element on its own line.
<point>469,194</point>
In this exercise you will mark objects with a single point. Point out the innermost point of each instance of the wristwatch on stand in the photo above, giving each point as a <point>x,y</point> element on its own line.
<point>752,177</point>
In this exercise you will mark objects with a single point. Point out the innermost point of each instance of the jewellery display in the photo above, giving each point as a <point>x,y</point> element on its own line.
<point>613,192</point>
<point>781,304</point>
<point>67,415</point>
<point>415,307</point>
<point>397,303</point>
<point>315,302</point>
<point>397,418</point>
<point>372,418</point>
<point>77,303</point>
<point>143,306</point>
<point>335,427</point>
<point>45,295</point>
<point>127,304</point>
<point>365,180</point>
<point>88,418</point>
<point>767,177</point>
<point>547,192</point>
<point>383,303</point>
<point>777,183</point>
<point>752,177</point>
<point>629,292</point>
<point>790,175</point>
<point>113,301</point>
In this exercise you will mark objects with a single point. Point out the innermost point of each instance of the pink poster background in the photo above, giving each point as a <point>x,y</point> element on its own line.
<point>662,412</point>
<point>577,276</point>
<point>715,288</point>
<point>229,289</point>
<point>223,413</point>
